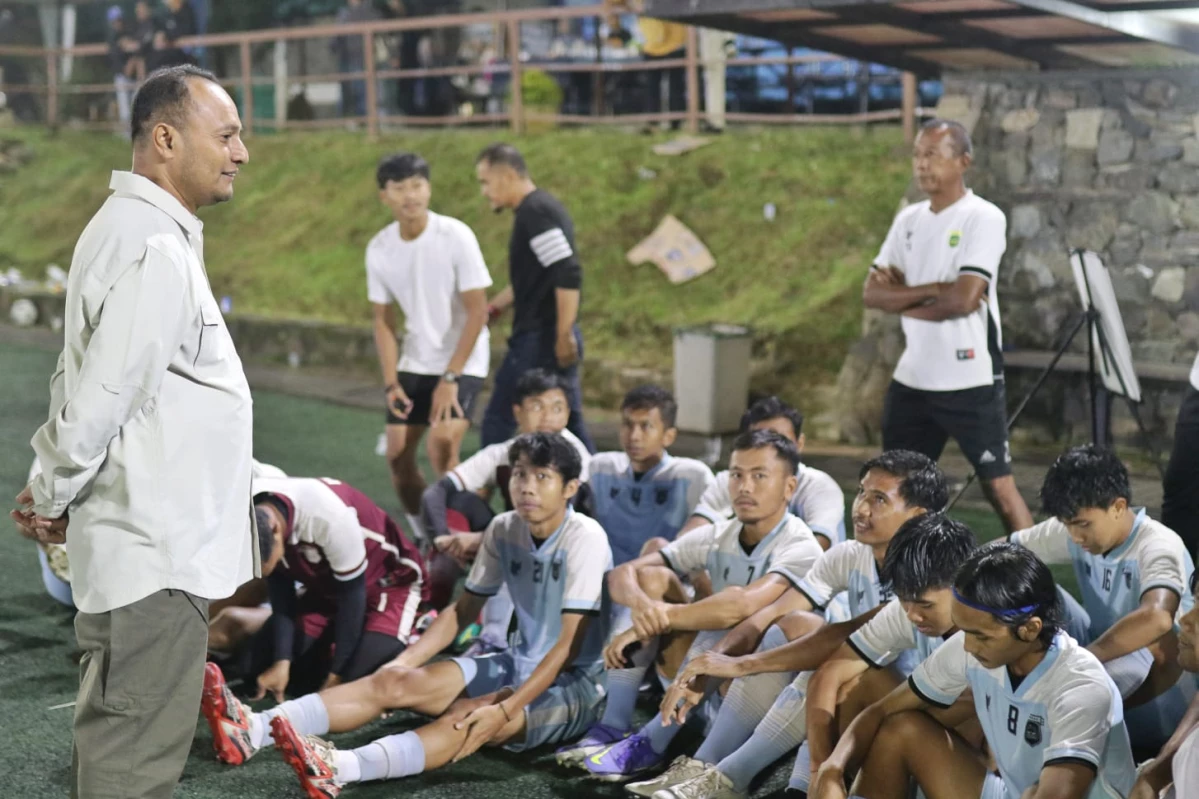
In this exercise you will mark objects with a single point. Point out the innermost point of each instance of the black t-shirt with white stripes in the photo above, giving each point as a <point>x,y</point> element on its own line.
<point>541,258</point>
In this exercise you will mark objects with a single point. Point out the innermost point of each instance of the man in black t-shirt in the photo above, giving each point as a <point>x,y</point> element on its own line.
<point>545,279</point>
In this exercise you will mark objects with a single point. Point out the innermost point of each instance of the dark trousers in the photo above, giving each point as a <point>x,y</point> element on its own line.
<point>1180,489</point>
<point>139,692</point>
<point>676,85</point>
<point>532,350</point>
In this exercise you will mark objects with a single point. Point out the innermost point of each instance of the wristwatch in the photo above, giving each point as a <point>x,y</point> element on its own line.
<point>450,377</point>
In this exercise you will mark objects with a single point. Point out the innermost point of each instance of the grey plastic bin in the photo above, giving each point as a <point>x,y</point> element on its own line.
<point>711,377</point>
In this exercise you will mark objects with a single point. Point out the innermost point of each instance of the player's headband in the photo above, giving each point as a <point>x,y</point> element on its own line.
<point>1009,613</point>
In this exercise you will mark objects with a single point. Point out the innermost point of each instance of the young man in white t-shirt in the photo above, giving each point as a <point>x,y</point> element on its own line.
<point>937,268</point>
<point>431,265</point>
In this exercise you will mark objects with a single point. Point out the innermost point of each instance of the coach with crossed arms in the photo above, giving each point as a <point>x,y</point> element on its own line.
<point>147,451</point>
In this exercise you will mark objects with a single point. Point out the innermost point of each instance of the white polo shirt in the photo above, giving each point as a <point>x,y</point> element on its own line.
<point>426,276</point>
<point>149,439</point>
<point>968,237</point>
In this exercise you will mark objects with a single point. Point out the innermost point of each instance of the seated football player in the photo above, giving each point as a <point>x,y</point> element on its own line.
<point>1051,716</point>
<point>1175,770</point>
<point>818,499</point>
<point>918,570</point>
<point>363,588</point>
<point>763,716</point>
<point>541,691</point>
<point>455,510</point>
<point>751,559</point>
<point>644,494</point>
<point>1134,576</point>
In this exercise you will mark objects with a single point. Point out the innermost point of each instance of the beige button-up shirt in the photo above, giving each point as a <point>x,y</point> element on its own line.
<point>149,439</point>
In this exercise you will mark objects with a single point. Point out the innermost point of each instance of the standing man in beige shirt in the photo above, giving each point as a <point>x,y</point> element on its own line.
<point>146,456</point>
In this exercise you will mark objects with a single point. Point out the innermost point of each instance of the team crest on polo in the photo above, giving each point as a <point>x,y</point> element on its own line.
<point>613,491</point>
<point>955,238</point>
<point>661,495</point>
<point>1032,730</point>
<point>556,570</point>
<point>515,567</point>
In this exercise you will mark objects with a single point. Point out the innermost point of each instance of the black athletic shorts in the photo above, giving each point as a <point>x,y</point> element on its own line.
<point>419,389</point>
<point>976,418</point>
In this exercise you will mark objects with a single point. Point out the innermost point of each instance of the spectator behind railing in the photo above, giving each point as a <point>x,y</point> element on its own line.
<point>351,56</point>
<point>121,47</point>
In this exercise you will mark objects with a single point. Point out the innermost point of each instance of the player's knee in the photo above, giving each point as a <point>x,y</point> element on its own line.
<point>392,683</point>
<point>798,623</point>
<point>901,728</point>
<point>656,582</point>
<point>653,545</point>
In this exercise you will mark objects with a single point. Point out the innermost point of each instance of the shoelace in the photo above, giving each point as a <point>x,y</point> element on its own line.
<point>681,765</point>
<point>635,746</point>
<point>699,787</point>
<point>322,750</point>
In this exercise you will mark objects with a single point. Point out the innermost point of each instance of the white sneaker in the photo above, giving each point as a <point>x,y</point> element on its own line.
<point>682,769</point>
<point>710,784</point>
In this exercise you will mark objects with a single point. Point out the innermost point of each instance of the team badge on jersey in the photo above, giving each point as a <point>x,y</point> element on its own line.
<point>661,495</point>
<point>556,570</point>
<point>516,564</point>
<point>955,238</point>
<point>1032,730</point>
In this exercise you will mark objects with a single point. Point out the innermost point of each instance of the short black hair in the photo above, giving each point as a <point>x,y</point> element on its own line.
<point>648,397</point>
<point>400,167</point>
<point>1084,477</point>
<point>536,382</point>
<point>164,97</point>
<point>958,134</point>
<point>769,408</point>
<point>925,555</point>
<point>761,439</point>
<point>550,450</point>
<point>266,533</point>
<point>922,483</point>
<point>1014,585</point>
<point>501,154</point>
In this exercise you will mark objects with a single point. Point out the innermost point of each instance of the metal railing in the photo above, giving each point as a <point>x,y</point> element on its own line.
<point>506,28</point>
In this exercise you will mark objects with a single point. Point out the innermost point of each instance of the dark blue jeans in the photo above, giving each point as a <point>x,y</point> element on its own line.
<point>531,350</point>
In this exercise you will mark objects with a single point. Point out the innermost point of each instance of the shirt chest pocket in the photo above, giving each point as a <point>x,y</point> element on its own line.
<point>210,343</point>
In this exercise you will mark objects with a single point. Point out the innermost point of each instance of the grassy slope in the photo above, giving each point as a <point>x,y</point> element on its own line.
<point>291,244</point>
